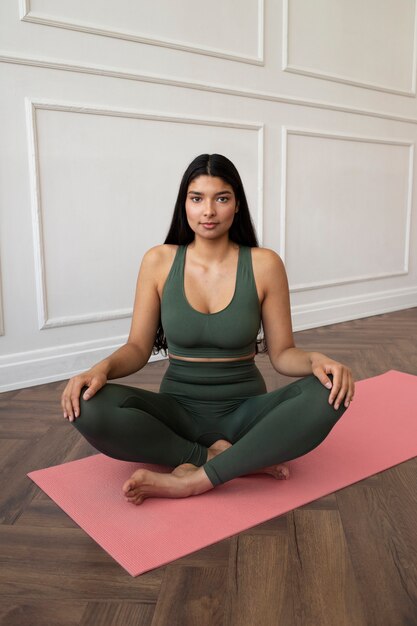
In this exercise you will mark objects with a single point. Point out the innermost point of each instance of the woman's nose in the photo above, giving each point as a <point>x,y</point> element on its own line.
<point>209,208</point>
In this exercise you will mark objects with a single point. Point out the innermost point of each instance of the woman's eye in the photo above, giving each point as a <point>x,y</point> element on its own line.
<point>197,198</point>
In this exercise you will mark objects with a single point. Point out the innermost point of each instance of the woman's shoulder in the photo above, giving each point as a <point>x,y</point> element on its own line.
<point>164,252</point>
<point>266,258</point>
<point>157,261</point>
<point>268,269</point>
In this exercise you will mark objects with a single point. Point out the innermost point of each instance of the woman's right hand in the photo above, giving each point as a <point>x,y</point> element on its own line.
<point>70,399</point>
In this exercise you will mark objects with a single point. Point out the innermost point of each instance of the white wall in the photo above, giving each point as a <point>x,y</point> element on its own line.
<point>103,106</point>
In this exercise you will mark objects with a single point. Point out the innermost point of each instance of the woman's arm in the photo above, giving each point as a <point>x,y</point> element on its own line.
<point>276,321</point>
<point>132,356</point>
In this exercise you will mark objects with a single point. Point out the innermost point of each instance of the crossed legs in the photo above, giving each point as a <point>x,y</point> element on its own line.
<point>138,425</point>
<point>275,427</point>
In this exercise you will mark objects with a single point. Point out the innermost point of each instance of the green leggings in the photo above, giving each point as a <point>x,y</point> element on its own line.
<point>201,402</point>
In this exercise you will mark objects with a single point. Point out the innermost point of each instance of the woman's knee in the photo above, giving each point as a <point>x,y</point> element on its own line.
<point>87,407</point>
<point>90,419</point>
<point>318,399</point>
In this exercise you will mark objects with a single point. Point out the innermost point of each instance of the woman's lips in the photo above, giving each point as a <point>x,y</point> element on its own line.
<point>209,225</point>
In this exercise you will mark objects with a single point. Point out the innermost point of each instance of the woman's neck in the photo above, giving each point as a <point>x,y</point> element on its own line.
<point>210,250</point>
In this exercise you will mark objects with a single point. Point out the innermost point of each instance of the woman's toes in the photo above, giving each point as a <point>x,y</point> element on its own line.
<point>136,499</point>
<point>127,486</point>
<point>130,487</point>
<point>283,472</point>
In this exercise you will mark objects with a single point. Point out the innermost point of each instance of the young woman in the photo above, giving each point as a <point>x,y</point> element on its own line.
<point>203,296</point>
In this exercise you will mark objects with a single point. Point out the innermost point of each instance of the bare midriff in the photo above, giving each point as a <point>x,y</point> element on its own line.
<point>207,360</point>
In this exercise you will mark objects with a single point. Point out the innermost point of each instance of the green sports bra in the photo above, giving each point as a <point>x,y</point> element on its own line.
<point>231,332</point>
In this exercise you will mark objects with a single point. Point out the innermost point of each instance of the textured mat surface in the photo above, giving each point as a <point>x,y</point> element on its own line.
<point>378,430</point>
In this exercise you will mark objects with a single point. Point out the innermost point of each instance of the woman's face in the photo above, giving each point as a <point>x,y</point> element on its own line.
<point>210,206</point>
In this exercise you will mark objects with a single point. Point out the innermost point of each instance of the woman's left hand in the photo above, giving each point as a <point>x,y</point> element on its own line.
<point>342,387</point>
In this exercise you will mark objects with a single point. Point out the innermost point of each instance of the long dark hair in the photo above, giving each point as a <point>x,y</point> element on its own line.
<point>242,230</point>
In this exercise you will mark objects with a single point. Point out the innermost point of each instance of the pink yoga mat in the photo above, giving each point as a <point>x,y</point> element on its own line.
<point>378,430</point>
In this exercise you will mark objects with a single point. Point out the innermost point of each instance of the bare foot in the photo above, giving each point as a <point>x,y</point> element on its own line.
<point>218,447</point>
<point>185,480</point>
<point>279,471</point>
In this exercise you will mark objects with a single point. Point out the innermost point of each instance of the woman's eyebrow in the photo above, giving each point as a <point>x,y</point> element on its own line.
<point>219,193</point>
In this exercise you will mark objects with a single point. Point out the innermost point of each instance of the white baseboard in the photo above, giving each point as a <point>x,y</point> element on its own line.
<point>27,369</point>
<point>325,312</point>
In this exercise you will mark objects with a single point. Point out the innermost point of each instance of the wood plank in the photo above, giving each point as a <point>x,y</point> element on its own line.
<point>321,580</point>
<point>41,507</point>
<point>12,451</point>
<point>326,503</point>
<point>216,555</point>
<point>39,394</point>
<point>41,613</point>
<point>65,563</point>
<point>6,396</point>
<point>21,426</point>
<point>49,450</point>
<point>191,596</point>
<point>275,525</point>
<point>256,580</point>
<point>118,614</point>
<point>381,531</point>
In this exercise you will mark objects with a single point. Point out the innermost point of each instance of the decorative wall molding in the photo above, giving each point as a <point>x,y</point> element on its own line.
<point>160,79</point>
<point>1,308</point>
<point>287,67</point>
<point>27,15</point>
<point>45,321</point>
<point>286,131</point>
<point>73,349</point>
<point>45,365</point>
<point>324,312</point>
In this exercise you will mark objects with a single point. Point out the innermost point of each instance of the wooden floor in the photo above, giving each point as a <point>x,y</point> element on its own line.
<point>349,558</point>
